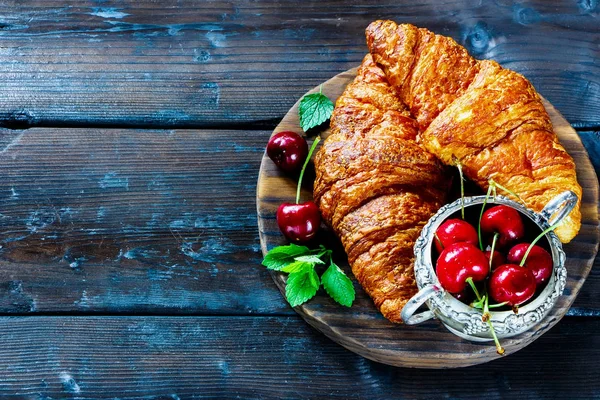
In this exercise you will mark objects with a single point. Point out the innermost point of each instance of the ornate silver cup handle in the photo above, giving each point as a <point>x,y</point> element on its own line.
<point>559,207</point>
<point>408,312</point>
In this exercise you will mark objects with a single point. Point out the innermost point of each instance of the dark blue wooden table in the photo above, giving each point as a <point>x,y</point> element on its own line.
<point>131,140</point>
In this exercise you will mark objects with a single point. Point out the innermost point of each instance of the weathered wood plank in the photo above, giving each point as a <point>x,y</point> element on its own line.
<point>586,303</point>
<point>267,358</point>
<point>132,221</point>
<point>122,221</point>
<point>591,141</point>
<point>176,63</point>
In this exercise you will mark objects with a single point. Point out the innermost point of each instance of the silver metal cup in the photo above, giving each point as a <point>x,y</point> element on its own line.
<point>466,321</point>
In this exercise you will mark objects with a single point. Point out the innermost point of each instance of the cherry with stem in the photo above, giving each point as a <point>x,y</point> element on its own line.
<point>287,150</point>
<point>502,219</point>
<point>300,222</point>
<point>491,188</point>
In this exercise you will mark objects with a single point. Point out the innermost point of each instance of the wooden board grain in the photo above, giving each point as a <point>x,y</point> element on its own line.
<point>180,63</point>
<point>265,358</point>
<point>429,345</point>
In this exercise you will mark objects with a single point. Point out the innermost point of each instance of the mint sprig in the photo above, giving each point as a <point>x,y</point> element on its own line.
<point>301,286</point>
<point>303,281</point>
<point>337,285</point>
<point>315,109</point>
<point>297,266</point>
<point>281,256</point>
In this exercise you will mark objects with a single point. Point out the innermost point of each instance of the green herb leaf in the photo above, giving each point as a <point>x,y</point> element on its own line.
<point>297,266</point>
<point>314,259</point>
<point>338,285</point>
<point>301,287</point>
<point>315,109</point>
<point>281,256</point>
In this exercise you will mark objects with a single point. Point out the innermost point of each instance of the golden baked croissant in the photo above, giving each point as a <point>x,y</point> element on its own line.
<point>476,113</point>
<point>376,187</point>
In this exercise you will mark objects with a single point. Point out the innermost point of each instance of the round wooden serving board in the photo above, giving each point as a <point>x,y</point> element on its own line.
<point>361,328</point>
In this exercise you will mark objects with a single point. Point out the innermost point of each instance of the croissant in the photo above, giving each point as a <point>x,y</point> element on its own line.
<point>476,113</point>
<point>376,187</point>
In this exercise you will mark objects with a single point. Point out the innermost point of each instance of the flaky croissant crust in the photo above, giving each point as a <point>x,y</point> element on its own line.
<point>489,119</point>
<point>376,187</point>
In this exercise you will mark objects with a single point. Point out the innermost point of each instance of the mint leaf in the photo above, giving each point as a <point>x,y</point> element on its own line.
<point>314,259</point>
<point>338,286</point>
<point>314,109</point>
<point>281,256</point>
<point>301,287</point>
<point>314,279</point>
<point>297,266</point>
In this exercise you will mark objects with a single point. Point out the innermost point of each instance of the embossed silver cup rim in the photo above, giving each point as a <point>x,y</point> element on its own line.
<point>464,320</point>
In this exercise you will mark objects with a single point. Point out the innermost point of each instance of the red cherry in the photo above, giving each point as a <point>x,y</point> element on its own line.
<point>512,284</point>
<point>504,220</point>
<point>454,231</point>
<point>539,261</point>
<point>288,150</point>
<point>458,262</point>
<point>299,222</point>
<point>497,260</point>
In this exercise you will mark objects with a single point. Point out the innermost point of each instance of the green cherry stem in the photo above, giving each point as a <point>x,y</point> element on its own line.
<point>492,182</point>
<point>497,305</point>
<point>308,157</point>
<point>487,196</point>
<point>487,317</point>
<point>493,247</point>
<point>479,303</point>
<point>469,280</point>
<point>541,235</point>
<point>462,190</point>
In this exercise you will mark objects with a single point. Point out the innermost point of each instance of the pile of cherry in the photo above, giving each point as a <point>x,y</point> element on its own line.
<point>509,269</point>
<point>299,222</point>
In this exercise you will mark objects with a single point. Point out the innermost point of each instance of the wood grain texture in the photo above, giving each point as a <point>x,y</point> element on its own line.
<point>362,328</point>
<point>591,141</point>
<point>123,221</point>
<point>131,221</point>
<point>180,63</point>
<point>265,358</point>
